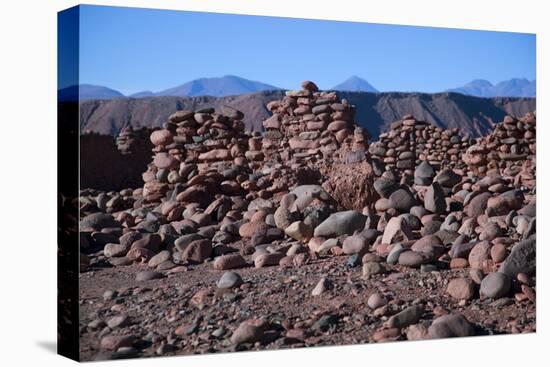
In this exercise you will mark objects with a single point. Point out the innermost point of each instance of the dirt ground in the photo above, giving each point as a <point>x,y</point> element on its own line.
<point>185,312</point>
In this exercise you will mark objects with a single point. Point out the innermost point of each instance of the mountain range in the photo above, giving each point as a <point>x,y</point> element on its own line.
<point>509,88</point>
<point>231,85</point>
<point>228,85</point>
<point>474,116</point>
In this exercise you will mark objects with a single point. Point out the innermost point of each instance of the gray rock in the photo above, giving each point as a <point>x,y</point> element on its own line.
<point>385,187</point>
<point>522,259</point>
<point>322,286</point>
<point>478,204</point>
<point>423,174</point>
<point>393,255</point>
<point>407,317</point>
<point>98,221</point>
<point>450,326</point>
<point>159,258</point>
<point>462,249</point>
<point>411,259</point>
<point>229,279</point>
<point>372,268</point>
<point>118,321</point>
<point>402,200</point>
<point>531,228</point>
<point>148,275</point>
<point>490,232</point>
<point>182,242</point>
<point>495,285</point>
<point>434,199</point>
<point>448,178</point>
<point>114,250</point>
<point>341,223</point>
<point>325,322</point>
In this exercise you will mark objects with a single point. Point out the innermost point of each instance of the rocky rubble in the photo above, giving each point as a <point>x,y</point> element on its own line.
<point>510,148</point>
<point>411,142</point>
<point>306,235</point>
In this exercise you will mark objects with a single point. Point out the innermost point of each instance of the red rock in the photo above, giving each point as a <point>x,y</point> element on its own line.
<point>296,143</point>
<point>426,242</point>
<point>461,288</point>
<point>230,261</point>
<point>458,263</point>
<point>267,260</point>
<point>180,116</point>
<point>529,293</point>
<point>337,125</point>
<point>114,342</point>
<point>417,332</point>
<point>161,137</point>
<point>397,230</point>
<point>197,251</point>
<point>355,245</point>
<point>274,122</point>
<point>150,241</point>
<point>478,204</point>
<point>140,254</point>
<point>164,160</point>
<point>386,335</point>
<point>376,300</point>
<point>216,155</point>
<point>309,85</point>
<point>479,255</point>
<point>249,331</point>
<point>249,229</point>
<point>498,253</point>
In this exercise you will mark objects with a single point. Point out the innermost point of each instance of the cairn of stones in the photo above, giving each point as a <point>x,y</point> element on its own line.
<point>510,149</point>
<point>125,140</point>
<point>130,141</point>
<point>411,142</point>
<point>188,150</point>
<point>309,125</point>
<point>313,139</point>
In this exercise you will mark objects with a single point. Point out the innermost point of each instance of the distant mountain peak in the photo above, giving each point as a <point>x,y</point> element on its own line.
<point>87,91</point>
<point>515,87</point>
<point>226,85</point>
<point>355,84</point>
<point>145,93</point>
<point>481,82</point>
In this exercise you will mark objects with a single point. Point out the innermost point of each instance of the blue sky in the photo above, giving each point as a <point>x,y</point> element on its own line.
<point>132,50</point>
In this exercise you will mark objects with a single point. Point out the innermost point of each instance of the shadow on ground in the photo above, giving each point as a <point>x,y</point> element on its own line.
<point>49,346</point>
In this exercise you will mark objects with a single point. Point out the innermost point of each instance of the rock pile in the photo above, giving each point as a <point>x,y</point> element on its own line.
<point>309,125</point>
<point>509,149</point>
<point>411,142</point>
<point>313,133</point>
<point>185,149</point>
<point>130,140</point>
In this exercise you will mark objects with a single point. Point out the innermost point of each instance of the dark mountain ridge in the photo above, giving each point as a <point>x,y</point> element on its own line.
<point>376,111</point>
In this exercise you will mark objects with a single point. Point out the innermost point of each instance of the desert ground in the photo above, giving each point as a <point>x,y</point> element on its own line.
<point>309,233</point>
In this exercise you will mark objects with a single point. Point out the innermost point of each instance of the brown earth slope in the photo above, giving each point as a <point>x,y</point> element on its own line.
<point>375,111</point>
